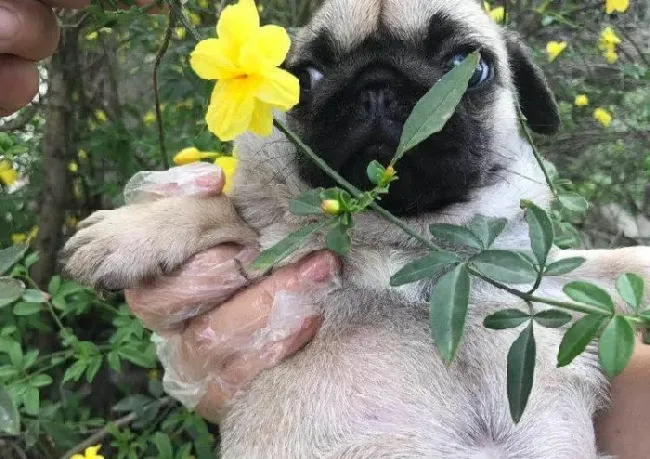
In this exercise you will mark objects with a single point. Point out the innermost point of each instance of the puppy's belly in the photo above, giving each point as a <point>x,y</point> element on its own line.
<point>372,386</point>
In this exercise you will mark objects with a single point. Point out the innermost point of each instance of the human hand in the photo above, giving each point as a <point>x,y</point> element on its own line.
<point>210,342</point>
<point>28,33</point>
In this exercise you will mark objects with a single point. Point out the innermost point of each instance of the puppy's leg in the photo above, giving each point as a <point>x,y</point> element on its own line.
<point>118,248</point>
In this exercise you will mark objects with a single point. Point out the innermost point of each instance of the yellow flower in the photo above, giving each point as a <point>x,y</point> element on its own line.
<point>92,36</point>
<point>193,155</point>
<point>18,238</point>
<point>180,32</point>
<point>8,175</point>
<point>581,100</point>
<point>603,116</point>
<point>82,154</point>
<point>149,118</point>
<point>228,164</point>
<point>554,49</point>
<point>32,233</point>
<point>89,453</point>
<point>331,206</point>
<point>203,4</point>
<point>611,56</point>
<point>100,115</point>
<point>73,167</point>
<point>608,38</point>
<point>620,6</point>
<point>498,14</point>
<point>245,60</point>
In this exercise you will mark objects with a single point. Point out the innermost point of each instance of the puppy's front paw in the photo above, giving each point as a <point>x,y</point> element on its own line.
<point>117,249</point>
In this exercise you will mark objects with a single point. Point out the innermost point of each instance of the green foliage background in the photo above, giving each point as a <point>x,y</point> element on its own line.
<point>58,351</point>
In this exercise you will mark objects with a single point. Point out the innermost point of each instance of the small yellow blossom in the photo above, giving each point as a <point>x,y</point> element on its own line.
<point>611,56</point>
<point>581,100</point>
<point>92,36</point>
<point>89,453</point>
<point>73,167</point>
<point>554,49</point>
<point>498,14</point>
<point>619,6</point>
<point>100,115</point>
<point>607,44</point>
<point>180,32</point>
<point>603,116</point>
<point>82,154</point>
<point>8,175</point>
<point>32,233</point>
<point>203,4</point>
<point>245,60</point>
<point>331,206</point>
<point>18,238</point>
<point>192,155</point>
<point>149,118</point>
<point>228,164</point>
<point>195,19</point>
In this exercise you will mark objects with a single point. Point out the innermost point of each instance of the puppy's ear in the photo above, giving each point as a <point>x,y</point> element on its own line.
<point>535,97</point>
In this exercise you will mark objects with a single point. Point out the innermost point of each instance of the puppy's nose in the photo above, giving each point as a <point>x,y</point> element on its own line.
<point>378,103</point>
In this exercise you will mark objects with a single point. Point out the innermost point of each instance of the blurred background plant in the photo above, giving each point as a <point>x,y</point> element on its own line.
<point>95,124</point>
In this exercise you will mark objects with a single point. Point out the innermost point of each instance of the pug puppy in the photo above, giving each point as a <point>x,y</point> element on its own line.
<point>371,384</point>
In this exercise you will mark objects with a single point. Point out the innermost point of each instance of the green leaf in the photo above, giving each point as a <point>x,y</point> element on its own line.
<point>521,370</point>
<point>338,240</point>
<point>432,111</point>
<point>426,267</point>
<point>10,290</point>
<point>40,380</point>
<point>564,266</point>
<point>616,345</point>
<point>457,235</point>
<point>32,401</point>
<point>9,416</point>
<point>540,230</point>
<point>10,256</point>
<point>487,229</point>
<point>164,446</point>
<point>268,258</point>
<point>632,289</point>
<point>308,203</point>
<point>552,318</point>
<point>576,339</point>
<point>574,202</point>
<point>135,402</point>
<point>507,318</point>
<point>375,172</point>
<point>136,356</point>
<point>505,266</point>
<point>35,296</point>
<point>54,285</point>
<point>26,309</point>
<point>31,259</point>
<point>584,292</point>
<point>448,304</point>
<point>113,359</point>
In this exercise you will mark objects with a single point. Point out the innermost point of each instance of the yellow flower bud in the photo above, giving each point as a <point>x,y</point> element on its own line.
<point>581,100</point>
<point>187,156</point>
<point>619,6</point>
<point>554,49</point>
<point>8,175</point>
<point>18,238</point>
<point>331,206</point>
<point>73,167</point>
<point>228,165</point>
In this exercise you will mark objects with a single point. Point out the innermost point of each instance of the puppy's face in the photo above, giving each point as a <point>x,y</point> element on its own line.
<point>363,65</point>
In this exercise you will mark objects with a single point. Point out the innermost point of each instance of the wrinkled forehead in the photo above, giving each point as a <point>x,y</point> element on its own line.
<point>350,22</point>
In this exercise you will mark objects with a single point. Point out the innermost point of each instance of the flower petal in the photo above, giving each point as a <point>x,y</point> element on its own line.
<point>279,88</point>
<point>238,22</point>
<point>228,165</point>
<point>213,59</point>
<point>231,108</point>
<point>267,48</point>
<point>262,120</point>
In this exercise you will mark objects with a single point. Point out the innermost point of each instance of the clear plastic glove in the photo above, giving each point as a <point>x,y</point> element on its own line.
<point>210,342</point>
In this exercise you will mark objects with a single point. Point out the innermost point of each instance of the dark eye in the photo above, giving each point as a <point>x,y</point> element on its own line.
<point>482,74</point>
<point>309,77</point>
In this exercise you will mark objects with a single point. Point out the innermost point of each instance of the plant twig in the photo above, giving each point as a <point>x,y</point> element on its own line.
<point>303,148</point>
<point>537,155</point>
<point>98,436</point>
<point>179,12</point>
<point>159,56</point>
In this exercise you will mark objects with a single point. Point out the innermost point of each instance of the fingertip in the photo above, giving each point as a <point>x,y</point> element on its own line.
<point>319,266</point>
<point>19,80</point>
<point>211,184</point>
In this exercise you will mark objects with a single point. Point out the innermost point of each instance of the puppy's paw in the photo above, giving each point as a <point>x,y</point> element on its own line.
<point>117,249</point>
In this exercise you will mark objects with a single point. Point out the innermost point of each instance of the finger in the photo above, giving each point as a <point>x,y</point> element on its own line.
<point>271,311</point>
<point>28,29</point>
<point>242,369</point>
<point>19,83</point>
<point>197,179</point>
<point>205,281</point>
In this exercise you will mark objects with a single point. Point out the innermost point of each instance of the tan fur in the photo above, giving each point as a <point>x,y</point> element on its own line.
<point>371,384</point>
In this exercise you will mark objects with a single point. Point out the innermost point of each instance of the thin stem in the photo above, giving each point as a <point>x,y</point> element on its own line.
<point>159,56</point>
<point>537,155</point>
<point>303,148</point>
<point>576,307</point>
<point>179,12</point>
